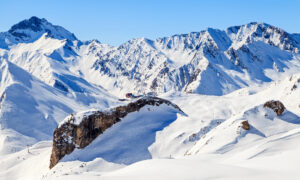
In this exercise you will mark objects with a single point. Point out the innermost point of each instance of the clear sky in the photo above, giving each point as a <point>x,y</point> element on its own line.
<point>117,21</point>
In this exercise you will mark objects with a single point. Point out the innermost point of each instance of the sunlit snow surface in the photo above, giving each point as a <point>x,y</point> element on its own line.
<point>222,151</point>
<point>46,74</point>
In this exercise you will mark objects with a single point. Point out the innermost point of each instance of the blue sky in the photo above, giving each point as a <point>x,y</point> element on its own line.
<point>117,21</point>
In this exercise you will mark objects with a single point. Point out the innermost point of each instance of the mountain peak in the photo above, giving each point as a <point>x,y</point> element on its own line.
<point>31,29</point>
<point>34,24</point>
<point>259,23</point>
<point>235,29</point>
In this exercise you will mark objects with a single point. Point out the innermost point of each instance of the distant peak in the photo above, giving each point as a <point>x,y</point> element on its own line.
<point>260,24</point>
<point>34,18</point>
<point>34,24</point>
<point>95,41</point>
<point>141,40</point>
<point>234,29</point>
<point>212,30</point>
<point>33,28</point>
<point>257,23</point>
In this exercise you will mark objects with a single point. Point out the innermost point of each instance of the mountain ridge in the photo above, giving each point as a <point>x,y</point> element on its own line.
<point>233,58</point>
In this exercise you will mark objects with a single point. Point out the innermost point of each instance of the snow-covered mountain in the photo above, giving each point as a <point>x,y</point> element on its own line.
<point>218,78</point>
<point>234,58</point>
<point>32,29</point>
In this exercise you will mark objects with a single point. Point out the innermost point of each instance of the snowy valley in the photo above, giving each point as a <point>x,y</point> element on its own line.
<point>203,108</point>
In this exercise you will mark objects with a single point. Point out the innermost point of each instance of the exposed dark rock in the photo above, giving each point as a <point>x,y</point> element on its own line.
<point>246,125</point>
<point>2,98</point>
<point>59,85</point>
<point>294,87</point>
<point>37,25</point>
<point>276,106</point>
<point>194,76</point>
<point>154,84</point>
<point>34,23</point>
<point>69,136</point>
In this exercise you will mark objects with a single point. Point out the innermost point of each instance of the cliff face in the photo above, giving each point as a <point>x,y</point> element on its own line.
<point>71,135</point>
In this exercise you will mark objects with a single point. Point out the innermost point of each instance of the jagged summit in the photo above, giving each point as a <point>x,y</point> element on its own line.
<point>34,23</point>
<point>29,30</point>
<point>259,31</point>
<point>248,25</point>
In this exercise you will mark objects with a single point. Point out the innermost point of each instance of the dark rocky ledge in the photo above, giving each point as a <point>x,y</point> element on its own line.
<point>276,106</point>
<point>69,136</point>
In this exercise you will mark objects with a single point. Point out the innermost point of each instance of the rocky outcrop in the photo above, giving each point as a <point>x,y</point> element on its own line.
<point>276,106</point>
<point>70,135</point>
<point>245,125</point>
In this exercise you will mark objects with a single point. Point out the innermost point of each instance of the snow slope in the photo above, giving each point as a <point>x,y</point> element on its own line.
<point>128,141</point>
<point>209,138</point>
<point>31,110</point>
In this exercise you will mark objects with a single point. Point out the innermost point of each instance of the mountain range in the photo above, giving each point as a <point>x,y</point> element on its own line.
<point>234,58</point>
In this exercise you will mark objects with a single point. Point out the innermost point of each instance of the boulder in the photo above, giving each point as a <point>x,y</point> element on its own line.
<point>246,125</point>
<point>276,106</point>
